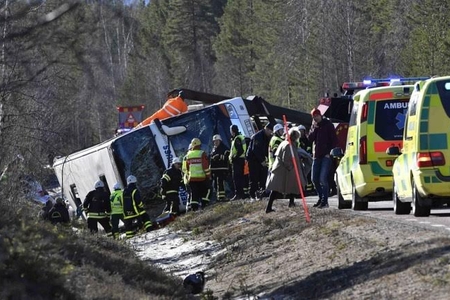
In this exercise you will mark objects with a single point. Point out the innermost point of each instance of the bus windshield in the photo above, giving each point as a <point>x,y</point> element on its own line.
<point>136,153</point>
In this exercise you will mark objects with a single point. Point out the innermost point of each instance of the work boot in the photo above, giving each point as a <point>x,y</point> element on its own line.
<point>318,203</point>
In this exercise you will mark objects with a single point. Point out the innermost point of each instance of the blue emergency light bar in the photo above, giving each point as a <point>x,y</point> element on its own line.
<point>369,83</point>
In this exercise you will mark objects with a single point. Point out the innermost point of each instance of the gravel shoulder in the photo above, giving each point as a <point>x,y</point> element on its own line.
<point>339,255</point>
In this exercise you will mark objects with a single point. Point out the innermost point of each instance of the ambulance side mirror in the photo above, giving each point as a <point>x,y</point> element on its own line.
<point>393,150</point>
<point>337,152</point>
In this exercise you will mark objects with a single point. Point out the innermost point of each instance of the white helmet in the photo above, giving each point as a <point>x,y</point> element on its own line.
<point>99,184</point>
<point>176,160</point>
<point>131,179</point>
<point>217,137</point>
<point>301,127</point>
<point>116,186</point>
<point>277,127</point>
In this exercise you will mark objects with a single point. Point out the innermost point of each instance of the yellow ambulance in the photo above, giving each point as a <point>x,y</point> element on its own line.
<point>364,172</point>
<point>422,170</point>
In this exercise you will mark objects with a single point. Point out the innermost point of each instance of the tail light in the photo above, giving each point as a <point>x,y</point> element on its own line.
<point>430,159</point>
<point>363,150</point>
<point>364,112</point>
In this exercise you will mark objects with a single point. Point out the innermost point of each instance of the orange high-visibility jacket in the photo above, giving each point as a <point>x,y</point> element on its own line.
<point>172,107</point>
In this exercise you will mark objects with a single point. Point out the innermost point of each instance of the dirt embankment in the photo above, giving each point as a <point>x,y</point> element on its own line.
<point>337,256</point>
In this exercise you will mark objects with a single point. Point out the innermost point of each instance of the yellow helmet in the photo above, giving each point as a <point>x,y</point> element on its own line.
<point>196,142</point>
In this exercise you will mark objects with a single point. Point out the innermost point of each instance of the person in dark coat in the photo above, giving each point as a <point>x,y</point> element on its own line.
<point>324,139</point>
<point>171,182</point>
<point>98,208</point>
<point>258,157</point>
<point>282,178</point>
<point>59,212</point>
<point>219,166</point>
<point>45,209</point>
<point>133,208</point>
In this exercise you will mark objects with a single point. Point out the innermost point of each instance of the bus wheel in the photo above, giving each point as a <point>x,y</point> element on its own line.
<point>400,208</point>
<point>418,209</point>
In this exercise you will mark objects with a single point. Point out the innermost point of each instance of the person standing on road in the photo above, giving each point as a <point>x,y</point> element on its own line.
<point>237,161</point>
<point>257,158</point>
<point>133,208</point>
<point>219,166</point>
<point>98,208</point>
<point>283,177</point>
<point>116,209</point>
<point>198,175</point>
<point>324,139</point>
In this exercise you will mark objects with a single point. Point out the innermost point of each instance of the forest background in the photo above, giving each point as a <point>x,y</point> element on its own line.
<point>66,65</point>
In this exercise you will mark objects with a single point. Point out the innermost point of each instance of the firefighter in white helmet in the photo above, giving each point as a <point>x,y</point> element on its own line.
<point>133,208</point>
<point>171,182</point>
<point>98,208</point>
<point>219,166</point>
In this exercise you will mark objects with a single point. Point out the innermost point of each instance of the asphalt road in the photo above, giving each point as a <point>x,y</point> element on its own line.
<point>439,218</point>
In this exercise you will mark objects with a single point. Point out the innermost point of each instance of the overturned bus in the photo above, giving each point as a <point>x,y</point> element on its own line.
<point>146,152</point>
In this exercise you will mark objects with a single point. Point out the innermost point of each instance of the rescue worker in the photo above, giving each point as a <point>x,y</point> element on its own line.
<point>257,158</point>
<point>324,139</point>
<point>237,161</point>
<point>171,182</point>
<point>59,213</point>
<point>133,208</point>
<point>98,208</point>
<point>219,166</point>
<point>304,143</point>
<point>173,106</point>
<point>275,141</point>
<point>198,175</point>
<point>116,209</point>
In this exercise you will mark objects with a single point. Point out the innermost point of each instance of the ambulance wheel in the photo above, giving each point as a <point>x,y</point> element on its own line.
<point>357,201</point>
<point>400,208</point>
<point>342,204</point>
<point>418,209</point>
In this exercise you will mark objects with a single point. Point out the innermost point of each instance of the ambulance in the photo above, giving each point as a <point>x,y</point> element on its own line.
<point>147,151</point>
<point>377,119</point>
<point>421,172</point>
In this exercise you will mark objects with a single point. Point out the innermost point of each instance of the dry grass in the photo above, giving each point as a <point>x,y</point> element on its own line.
<point>42,261</point>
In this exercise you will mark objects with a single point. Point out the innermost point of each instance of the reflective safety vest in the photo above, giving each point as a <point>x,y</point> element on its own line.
<point>134,210</point>
<point>194,159</point>
<point>116,202</point>
<point>233,152</point>
<point>172,107</point>
<point>275,141</point>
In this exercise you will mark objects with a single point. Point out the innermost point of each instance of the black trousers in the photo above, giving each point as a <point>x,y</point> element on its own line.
<point>115,218</point>
<point>238,176</point>
<point>93,227</point>
<point>219,177</point>
<point>199,193</point>
<point>173,203</point>
<point>258,176</point>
